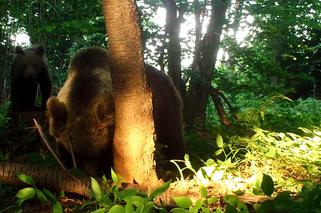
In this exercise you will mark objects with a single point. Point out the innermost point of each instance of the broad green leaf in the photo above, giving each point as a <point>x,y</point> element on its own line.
<point>160,190</point>
<point>242,207</point>
<point>197,206</point>
<point>267,185</point>
<point>114,177</point>
<point>128,193</point>
<point>219,141</point>
<point>49,195</point>
<point>231,199</point>
<point>218,210</point>
<point>203,192</point>
<point>147,208</point>
<point>230,209</point>
<point>57,208</point>
<point>95,188</point>
<point>205,210</point>
<point>129,208</point>
<point>41,196</point>
<point>218,152</point>
<point>101,210</point>
<point>117,209</point>
<point>26,193</point>
<point>179,210</point>
<point>271,153</point>
<point>25,178</point>
<point>136,200</point>
<point>183,202</point>
<point>211,200</point>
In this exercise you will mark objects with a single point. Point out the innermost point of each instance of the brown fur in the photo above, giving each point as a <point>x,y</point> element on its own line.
<point>29,69</point>
<point>84,109</point>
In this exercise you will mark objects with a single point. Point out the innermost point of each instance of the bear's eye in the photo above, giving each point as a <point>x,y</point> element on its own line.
<point>35,66</point>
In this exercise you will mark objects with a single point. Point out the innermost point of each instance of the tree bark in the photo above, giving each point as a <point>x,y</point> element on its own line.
<point>173,22</point>
<point>133,145</point>
<point>203,70</point>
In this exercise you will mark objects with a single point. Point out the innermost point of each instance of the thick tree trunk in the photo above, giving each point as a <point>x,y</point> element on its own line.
<point>133,145</point>
<point>203,71</point>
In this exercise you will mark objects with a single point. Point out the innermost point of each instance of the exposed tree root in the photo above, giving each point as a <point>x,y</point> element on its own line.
<point>58,180</point>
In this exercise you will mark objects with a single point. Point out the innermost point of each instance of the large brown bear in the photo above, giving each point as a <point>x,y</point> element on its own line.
<point>29,69</point>
<point>81,117</point>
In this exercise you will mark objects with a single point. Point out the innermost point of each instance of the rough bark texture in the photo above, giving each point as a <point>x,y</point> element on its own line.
<point>51,178</point>
<point>203,71</point>
<point>133,140</point>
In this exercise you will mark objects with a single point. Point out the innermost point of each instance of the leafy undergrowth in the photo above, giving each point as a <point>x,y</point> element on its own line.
<point>251,169</point>
<point>265,172</point>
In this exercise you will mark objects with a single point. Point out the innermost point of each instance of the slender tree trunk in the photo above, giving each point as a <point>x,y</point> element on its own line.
<point>239,4</point>
<point>133,145</point>
<point>173,22</point>
<point>203,72</point>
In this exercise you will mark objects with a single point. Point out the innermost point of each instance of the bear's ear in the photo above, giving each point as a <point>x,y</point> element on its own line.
<point>18,50</point>
<point>40,50</point>
<point>57,116</point>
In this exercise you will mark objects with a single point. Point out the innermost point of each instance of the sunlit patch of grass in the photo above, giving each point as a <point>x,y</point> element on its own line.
<point>239,163</point>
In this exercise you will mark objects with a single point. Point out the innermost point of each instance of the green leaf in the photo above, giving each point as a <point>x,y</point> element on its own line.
<point>205,210</point>
<point>231,199</point>
<point>218,152</point>
<point>211,200</point>
<point>147,208</point>
<point>271,153</point>
<point>41,196</point>
<point>179,210</point>
<point>183,202</point>
<point>95,188</point>
<point>114,177</point>
<point>198,204</point>
<point>101,210</point>
<point>267,185</point>
<point>25,178</point>
<point>187,161</point>
<point>26,193</point>
<point>242,207</point>
<point>57,208</point>
<point>219,141</point>
<point>50,196</point>
<point>160,190</point>
<point>230,209</point>
<point>117,209</point>
<point>203,192</point>
<point>136,200</point>
<point>129,208</point>
<point>218,210</point>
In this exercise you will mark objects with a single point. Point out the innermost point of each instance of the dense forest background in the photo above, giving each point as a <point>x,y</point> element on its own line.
<point>266,48</point>
<point>249,72</point>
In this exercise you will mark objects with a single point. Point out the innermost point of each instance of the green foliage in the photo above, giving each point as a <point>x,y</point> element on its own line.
<point>4,115</point>
<point>32,192</point>
<point>128,200</point>
<point>307,201</point>
<point>274,113</point>
<point>267,185</point>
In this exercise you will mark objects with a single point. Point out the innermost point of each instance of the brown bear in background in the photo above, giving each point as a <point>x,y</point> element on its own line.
<point>29,69</point>
<point>81,117</point>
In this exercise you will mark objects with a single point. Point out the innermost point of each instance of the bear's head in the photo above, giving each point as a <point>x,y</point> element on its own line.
<point>29,62</point>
